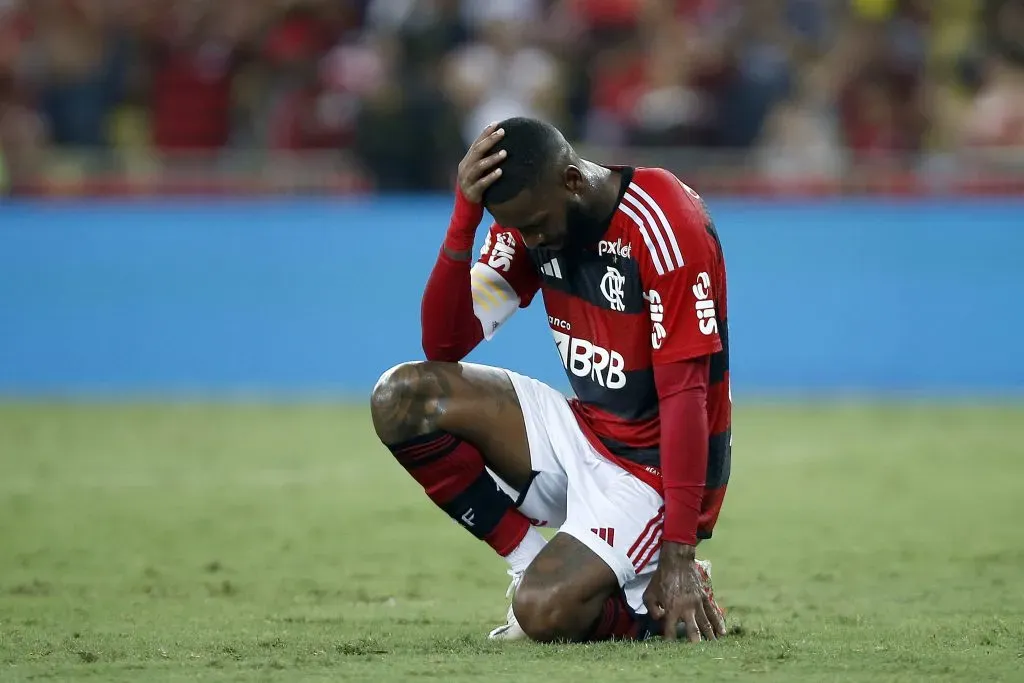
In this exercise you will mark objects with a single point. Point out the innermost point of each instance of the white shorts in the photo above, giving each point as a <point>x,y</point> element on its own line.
<point>581,493</point>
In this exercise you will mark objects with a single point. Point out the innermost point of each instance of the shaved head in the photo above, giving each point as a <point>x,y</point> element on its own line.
<point>537,152</point>
<point>545,190</point>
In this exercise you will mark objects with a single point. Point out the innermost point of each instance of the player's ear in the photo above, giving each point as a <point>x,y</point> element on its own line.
<point>574,180</point>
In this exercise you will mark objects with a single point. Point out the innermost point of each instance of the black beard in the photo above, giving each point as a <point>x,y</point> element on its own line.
<point>582,230</point>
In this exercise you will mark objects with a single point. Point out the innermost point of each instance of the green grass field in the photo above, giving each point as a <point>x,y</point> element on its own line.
<point>237,542</point>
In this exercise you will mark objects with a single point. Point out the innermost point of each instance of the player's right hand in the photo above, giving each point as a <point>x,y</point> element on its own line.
<point>675,597</point>
<point>477,170</point>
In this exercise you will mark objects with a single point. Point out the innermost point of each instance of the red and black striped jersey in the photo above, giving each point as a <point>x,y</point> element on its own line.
<point>651,290</point>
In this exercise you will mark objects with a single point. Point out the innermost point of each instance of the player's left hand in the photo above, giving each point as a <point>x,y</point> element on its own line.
<point>675,595</point>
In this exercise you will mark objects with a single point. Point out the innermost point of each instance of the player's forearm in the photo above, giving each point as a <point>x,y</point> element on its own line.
<point>466,217</point>
<point>450,329</point>
<point>682,391</point>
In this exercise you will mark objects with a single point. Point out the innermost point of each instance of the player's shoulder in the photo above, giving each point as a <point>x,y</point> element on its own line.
<point>661,186</point>
<point>663,217</point>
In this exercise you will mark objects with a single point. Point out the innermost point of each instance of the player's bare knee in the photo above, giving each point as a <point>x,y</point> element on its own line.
<point>390,400</point>
<point>399,402</point>
<point>546,614</point>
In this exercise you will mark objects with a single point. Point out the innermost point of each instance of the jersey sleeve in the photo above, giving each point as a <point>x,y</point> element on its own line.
<point>682,272</point>
<point>503,279</point>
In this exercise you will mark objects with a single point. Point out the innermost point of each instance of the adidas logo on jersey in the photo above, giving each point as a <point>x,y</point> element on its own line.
<point>616,248</point>
<point>585,359</point>
<point>551,269</point>
<point>606,534</point>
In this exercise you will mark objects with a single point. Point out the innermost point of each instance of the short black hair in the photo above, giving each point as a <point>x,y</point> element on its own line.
<point>533,147</point>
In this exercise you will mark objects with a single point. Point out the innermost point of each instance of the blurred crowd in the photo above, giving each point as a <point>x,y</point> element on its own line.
<point>401,86</point>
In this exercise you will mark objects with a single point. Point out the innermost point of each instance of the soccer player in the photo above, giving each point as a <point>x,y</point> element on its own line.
<point>632,471</point>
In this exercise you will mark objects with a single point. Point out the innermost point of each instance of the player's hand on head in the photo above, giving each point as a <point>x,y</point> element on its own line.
<point>675,596</point>
<point>479,169</point>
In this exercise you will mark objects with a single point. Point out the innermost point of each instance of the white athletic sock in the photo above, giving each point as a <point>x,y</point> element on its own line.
<point>531,545</point>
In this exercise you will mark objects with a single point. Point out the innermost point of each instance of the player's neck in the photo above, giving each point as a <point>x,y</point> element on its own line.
<point>591,220</point>
<point>605,185</point>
